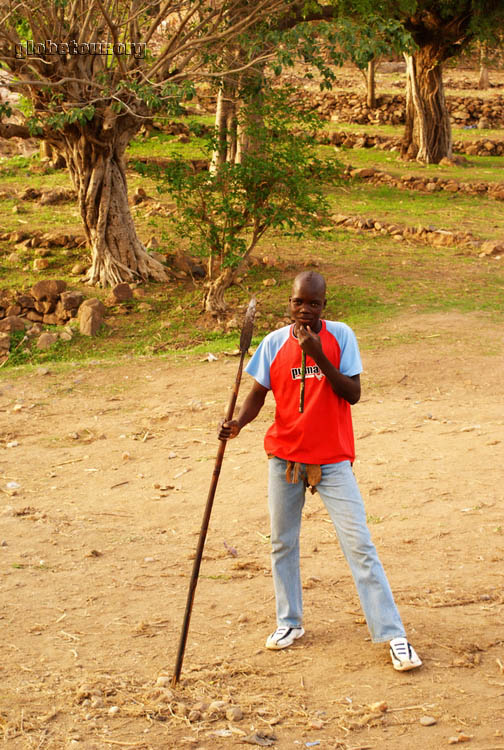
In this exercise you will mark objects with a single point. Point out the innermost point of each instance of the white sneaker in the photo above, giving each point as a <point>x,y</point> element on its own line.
<point>283,636</point>
<point>403,655</point>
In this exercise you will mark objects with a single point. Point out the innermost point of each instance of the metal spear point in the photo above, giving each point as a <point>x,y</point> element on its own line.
<point>245,339</point>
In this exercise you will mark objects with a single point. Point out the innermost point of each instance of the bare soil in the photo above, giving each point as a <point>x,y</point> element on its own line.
<point>113,464</point>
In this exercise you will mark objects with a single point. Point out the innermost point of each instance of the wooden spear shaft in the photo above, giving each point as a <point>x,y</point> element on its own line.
<point>245,339</point>
<point>302,383</point>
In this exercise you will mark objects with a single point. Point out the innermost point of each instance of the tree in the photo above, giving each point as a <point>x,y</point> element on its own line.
<point>440,30</point>
<point>92,72</point>
<point>278,183</point>
<point>316,36</point>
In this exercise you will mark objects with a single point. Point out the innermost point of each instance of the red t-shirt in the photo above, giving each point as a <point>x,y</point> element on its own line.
<point>323,433</point>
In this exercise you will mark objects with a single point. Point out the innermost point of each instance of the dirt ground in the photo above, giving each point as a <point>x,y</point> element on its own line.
<point>113,464</point>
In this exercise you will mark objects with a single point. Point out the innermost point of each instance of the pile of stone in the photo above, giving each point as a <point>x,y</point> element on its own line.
<point>47,197</point>
<point>347,106</point>
<point>424,235</point>
<point>47,303</point>
<point>360,139</point>
<point>481,147</point>
<point>341,138</point>
<point>352,107</point>
<point>428,184</point>
<point>40,244</point>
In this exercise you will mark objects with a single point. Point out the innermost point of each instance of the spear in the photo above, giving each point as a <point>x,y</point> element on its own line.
<point>245,339</point>
<point>302,383</point>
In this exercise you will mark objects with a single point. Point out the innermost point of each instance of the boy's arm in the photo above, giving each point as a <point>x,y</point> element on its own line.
<point>249,410</point>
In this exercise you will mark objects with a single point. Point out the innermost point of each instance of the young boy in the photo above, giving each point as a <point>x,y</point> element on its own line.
<point>316,447</point>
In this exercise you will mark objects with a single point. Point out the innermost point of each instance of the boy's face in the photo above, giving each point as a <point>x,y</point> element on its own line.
<point>307,303</point>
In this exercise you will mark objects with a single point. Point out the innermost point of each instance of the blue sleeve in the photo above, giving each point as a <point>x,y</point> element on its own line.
<point>259,365</point>
<point>350,360</point>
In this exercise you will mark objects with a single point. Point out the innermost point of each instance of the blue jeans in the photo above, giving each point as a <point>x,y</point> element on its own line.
<point>340,494</point>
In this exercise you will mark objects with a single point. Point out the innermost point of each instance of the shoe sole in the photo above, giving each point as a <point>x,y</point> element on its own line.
<point>274,646</point>
<point>407,666</point>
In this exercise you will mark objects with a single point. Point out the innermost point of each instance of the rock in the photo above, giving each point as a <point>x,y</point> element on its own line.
<point>95,303</point>
<point>427,721</point>
<point>4,342</point>
<point>13,310</point>
<point>40,264</point>
<point>139,293</point>
<point>234,713</point>
<point>46,340</point>
<point>483,124</point>
<point>26,301</point>
<point>55,196</point>
<point>163,681</point>
<point>90,320</point>
<point>34,316</point>
<point>122,292</point>
<point>491,247</point>
<point>51,319</point>
<point>71,300</point>
<point>46,306</point>
<point>18,236</point>
<point>363,173</point>
<point>391,67</point>
<point>14,259</point>
<point>269,282</point>
<point>48,288</point>
<point>79,269</point>
<point>459,738</point>
<point>12,323</point>
<point>138,196</point>
<point>218,707</point>
<point>232,324</point>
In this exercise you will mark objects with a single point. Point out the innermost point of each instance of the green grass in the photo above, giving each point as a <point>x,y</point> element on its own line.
<point>482,217</point>
<point>166,147</point>
<point>371,279</point>
<point>478,168</point>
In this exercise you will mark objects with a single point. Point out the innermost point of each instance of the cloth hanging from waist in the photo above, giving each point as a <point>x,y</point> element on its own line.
<point>311,476</point>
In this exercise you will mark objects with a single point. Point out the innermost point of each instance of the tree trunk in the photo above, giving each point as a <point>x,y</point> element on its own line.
<point>225,127</point>
<point>371,84</point>
<point>427,136</point>
<point>484,76</point>
<point>49,153</point>
<point>98,173</point>
<point>215,289</point>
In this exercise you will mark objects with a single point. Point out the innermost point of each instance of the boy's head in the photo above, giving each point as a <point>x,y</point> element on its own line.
<point>308,299</point>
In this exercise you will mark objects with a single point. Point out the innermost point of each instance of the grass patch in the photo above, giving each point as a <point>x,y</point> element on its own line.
<point>165,146</point>
<point>478,169</point>
<point>370,279</point>
<point>442,210</point>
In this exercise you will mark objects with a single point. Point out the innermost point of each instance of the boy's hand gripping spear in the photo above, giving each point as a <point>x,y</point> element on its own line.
<point>245,339</point>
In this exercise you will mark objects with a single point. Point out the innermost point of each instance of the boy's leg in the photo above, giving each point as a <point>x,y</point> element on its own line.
<point>340,493</point>
<point>286,502</point>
